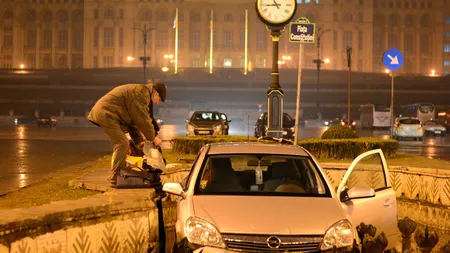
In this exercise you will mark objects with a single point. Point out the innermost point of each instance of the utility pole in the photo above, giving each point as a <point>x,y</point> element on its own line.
<point>144,58</point>
<point>349,64</point>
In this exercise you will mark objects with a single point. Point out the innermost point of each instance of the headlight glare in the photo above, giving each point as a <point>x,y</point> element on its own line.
<point>340,234</point>
<point>203,233</point>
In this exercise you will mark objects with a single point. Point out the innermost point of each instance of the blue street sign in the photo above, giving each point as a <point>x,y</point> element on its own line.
<point>302,32</point>
<point>393,59</point>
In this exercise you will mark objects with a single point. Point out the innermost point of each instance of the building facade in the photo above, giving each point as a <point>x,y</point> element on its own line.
<point>109,33</point>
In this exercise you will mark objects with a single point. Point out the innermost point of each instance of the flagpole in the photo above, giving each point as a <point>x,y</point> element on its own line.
<point>246,43</point>
<point>211,37</point>
<point>176,41</point>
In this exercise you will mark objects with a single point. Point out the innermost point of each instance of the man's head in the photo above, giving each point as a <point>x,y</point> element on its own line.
<point>159,92</point>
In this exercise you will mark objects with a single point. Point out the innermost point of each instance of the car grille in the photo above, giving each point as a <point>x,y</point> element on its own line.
<point>258,243</point>
<point>203,132</point>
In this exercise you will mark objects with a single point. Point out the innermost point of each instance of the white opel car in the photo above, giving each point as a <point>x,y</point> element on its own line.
<point>256,197</point>
<point>407,127</point>
<point>433,127</point>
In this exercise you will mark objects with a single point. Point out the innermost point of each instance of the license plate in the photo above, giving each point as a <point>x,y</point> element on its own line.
<point>437,132</point>
<point>203,132</point>
<point>284,132</point>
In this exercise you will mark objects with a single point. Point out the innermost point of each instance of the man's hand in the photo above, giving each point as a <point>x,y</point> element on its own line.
<point>157,141</point>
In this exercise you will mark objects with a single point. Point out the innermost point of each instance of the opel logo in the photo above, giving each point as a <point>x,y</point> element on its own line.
<point>273,242</point>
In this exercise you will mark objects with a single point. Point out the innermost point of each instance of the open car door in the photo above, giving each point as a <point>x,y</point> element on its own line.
<point>374,201</point>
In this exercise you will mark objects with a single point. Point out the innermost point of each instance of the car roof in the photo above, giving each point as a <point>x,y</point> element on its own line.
<point>255,148</point>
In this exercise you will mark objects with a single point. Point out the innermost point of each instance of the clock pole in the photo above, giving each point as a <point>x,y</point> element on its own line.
<point>275,94</point>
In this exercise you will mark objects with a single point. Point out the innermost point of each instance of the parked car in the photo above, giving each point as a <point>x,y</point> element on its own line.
<point>407,127</point>
<point>46,121</point>
<point>25,120</point>
<point>226,122</point>
<point>433,127</point>
<point>337,121</point>
<point>256,197</point>
<point>260,128</point>
<point>205,123</point>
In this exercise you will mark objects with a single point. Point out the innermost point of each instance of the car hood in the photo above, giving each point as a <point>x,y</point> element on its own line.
<point>205,123</point>
<point>268,215</point>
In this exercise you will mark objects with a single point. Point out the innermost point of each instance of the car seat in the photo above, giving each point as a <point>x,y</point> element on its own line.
<point>283,173</point>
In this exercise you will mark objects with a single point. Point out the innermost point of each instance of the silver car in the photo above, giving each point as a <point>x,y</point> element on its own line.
<point>432,127</point>
<point>257,197</point>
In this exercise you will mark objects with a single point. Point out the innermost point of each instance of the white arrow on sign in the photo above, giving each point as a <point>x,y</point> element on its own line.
<point>394,60</point>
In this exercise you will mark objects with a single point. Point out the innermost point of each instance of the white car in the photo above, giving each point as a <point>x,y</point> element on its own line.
<point>432,127</point>
<point>257,197</point>
<point>407,127</point>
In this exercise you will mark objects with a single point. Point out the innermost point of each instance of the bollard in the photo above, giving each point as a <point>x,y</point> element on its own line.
<point>406,227</point>
<point>363,229</point>
<point>426,241</point>
<point>374,245</point>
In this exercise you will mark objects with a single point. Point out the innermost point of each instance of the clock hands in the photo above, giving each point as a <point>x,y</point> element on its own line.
<point>276,4</point>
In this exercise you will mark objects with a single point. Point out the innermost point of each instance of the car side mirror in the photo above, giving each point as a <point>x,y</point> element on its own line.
<point>187,121</point>
<point>229,120</point>
<point>356,192</point>
<point>173,188</point>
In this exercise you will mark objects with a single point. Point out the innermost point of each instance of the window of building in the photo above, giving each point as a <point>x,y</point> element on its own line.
<point>377,43</point>
<point>446,63</point>
<point>446,48</point>
<point>95,14</point>
<point>375,3</point>
<point>335,40</point>
<point>31,38</point>
<point>406,5</point>
<point>96,37</point>
<point>348,40</point>
<point>228,39</point>
<point>228,17</point>
<point>31,16</point>
<point>430,4</point>
<point>335,1</point>
<point>242,40</point>
<point>31,61</point>
<point>195,40</point>
<point>95,62</point>
<point>348,17</point>
<point>360,17</point>
<point>121,13</point>
<point>62,39</point>
<point>163,15</point>
<point>413,4</point>
<point>121,35</point>
<point>7,29</point>
<point>424,21</point>
<point>109,14</point>
<point>180,39</point>
<point>424,44</point>
<point>360,40</point>
<point>195,62</point>
<point>335,17</point>
<point>408,43</point>
<point>47,17</point>
<point>208,39</point>
<point>108,61</point>
<point>145,15</point>
<point>447,34</point>
<point>77,61</point>
<point>393,20</point>
<point>447,20</point>
<point>195,16</point>
<point>108,37</point>
<point>422,4</point>
<point>399,4</point>
<point>409,21</point>
<point>47,62</point>
<point>7,41</point>
<point>391,4</point>
<point>47,40</point>
<point>8,14</point>
<point>261,40</point>
<point>361,1</point>
<point>383,4</point>
<point>261,62</point>
<point>446,72</point>
<point>63,17</point>
<point>360,65</point>
<point>392,40</point>
<point>162,39</point>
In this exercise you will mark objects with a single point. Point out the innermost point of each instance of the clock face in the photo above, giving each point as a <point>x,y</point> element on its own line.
<point>276,11</point>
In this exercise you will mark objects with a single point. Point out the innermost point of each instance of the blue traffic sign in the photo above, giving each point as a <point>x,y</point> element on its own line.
<point>393,59</point>
<point>302,32</point>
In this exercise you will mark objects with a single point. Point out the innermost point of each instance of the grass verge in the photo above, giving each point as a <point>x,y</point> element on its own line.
<point>56,188</point>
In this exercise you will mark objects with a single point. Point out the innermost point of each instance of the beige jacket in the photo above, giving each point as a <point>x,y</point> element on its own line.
<point>127,105</point>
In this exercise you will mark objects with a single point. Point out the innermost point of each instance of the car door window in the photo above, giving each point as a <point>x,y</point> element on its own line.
<point>368,172</point>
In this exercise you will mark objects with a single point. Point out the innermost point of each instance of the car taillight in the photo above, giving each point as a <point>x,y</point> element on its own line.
<point>343,123</point>
<point>399,126</point>
<point>353,123</point>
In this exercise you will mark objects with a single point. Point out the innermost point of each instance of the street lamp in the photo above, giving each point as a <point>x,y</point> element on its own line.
<point>22,66</point>
<point>144,58</point>
<point>130,58</point>
<point>319,61</point>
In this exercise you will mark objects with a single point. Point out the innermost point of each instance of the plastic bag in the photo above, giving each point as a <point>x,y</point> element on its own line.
<point>153,157</point>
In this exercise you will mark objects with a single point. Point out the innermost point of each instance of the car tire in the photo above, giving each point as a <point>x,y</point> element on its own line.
<point>181,247</point>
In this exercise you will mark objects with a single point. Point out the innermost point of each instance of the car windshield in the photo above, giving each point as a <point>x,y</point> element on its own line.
<point>202,116</point>
<point>425,108</point>
<point>266,175</point>
<point>382,108</point>
<point>410,121</point>
<point>431,122</point>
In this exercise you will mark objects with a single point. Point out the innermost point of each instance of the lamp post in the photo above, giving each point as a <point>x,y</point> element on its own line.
<point>144,58</point>
<point>319,61</point>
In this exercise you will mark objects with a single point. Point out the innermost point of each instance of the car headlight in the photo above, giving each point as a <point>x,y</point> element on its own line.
<point>340,234</point>
<point>190,128</point>
<point>203,233</point>
<point>327,123</point>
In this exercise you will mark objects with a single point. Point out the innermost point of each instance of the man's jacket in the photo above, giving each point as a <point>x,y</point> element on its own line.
<point>127,105</point>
